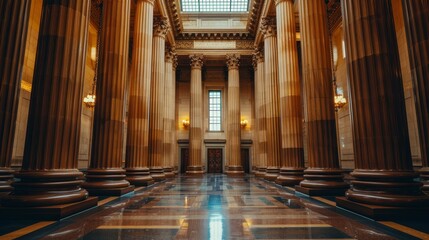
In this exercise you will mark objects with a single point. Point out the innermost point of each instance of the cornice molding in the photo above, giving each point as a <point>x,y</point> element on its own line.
<point>239,44</point>
<point>174,15</point>
<point>254,16</point>
<point>214,36</point>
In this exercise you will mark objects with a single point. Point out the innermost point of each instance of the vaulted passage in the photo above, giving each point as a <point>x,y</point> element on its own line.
<point>215,207</point>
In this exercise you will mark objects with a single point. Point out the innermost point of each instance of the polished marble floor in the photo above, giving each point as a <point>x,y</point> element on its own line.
<point>214,207</point>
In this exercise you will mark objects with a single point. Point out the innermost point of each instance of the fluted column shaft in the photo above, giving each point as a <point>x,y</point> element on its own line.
<point>292,149</point>
<point>105,170</point>
<point>49,174</point>
<point>196,117</point>
<point>323,171</point>
<point>174,149</point>
<point>416,14</point>
<point>169,110</point>
<point>13,33</point>
<point>137,148</point>
<point>256,160</point>
<point>261,113</point>
<point>384,172</point>
<point>156,123</point>
<point>234,128</point>
<point>268,27</point>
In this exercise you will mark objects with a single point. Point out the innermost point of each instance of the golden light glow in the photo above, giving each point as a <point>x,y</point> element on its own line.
<point>339,101</point>
<point>185,123</point>
<point>89,100</point>
<point>93,53</point>
<point>243,123</point>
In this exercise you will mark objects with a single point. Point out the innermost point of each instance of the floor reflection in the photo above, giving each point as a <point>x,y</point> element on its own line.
<point>216,207</point>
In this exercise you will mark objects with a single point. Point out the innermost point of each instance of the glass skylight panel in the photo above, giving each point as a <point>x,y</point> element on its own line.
<point>214,5</point>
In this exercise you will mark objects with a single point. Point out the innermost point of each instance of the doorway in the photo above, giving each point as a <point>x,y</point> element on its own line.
<point>214,160</point>
<point>245,158</point>
<point>184,159</point>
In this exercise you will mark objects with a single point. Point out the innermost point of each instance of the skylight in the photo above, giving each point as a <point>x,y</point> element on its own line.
<point>215,5</point>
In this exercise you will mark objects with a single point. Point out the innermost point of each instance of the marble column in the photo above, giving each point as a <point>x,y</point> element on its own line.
<point>195,166</point>
<point>260,112</point>
<point>169,113</point>
<point>384,182</point>
<point>256,160</point>
<point>416,14</point>
<point>174,148</point>
<point>292,148</point>
<point>13,33</point>
<point>234,128</point>
<point>49,174</point>
<point>323,175</point>
<point>105,173</point>
<point>156,122</point>
<point>137,148</point>
<point>268,28</point>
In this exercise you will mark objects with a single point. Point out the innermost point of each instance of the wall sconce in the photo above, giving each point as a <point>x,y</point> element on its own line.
<point>185,123</point>
<point>243,123</point>
<point>339,101</point>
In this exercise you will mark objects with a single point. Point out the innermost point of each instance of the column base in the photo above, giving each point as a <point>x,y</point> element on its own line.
<point>234,171</point>
<point>111,192</point>
<point>107,182</point>
<point>323,182</point>
<point>168,171</point>
<point>55,212</point>
<point>6,179</point>
<point>290,176</point>
<point>424,175</point>
<point>139,176</point>
<point>45,188</point>
<point>272,173</point>
<point>376,212</point>
<point>157,173</point>
<point>320,191</point>
<point>195,170</point>
<point>387,188</point>
<point>261,172</point>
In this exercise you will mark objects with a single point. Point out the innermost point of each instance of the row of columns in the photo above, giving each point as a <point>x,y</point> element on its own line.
<point>384,173</point>
<point>49,174</point>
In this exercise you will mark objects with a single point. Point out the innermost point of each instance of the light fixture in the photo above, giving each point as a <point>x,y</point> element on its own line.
<point>243,123</point>
<point>339,101</point>
<point>185,123</point>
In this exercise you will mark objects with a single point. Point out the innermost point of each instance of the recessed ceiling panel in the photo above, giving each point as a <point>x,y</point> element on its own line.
<point>215,5</point>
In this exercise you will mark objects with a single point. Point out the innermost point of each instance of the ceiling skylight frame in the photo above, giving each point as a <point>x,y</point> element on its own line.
<point>210,6</point>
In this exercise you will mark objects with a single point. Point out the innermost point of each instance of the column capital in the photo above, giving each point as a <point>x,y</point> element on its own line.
<point>152,2</point>
<point>233,61</point>
<point>258,55</point>
<point>170,53</point>
<point>160,26</point>
<point>276,2</point>
<point>196,60</point>
<point>268,26</point>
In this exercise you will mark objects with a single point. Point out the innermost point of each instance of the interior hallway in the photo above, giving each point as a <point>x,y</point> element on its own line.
<point>214,206</point>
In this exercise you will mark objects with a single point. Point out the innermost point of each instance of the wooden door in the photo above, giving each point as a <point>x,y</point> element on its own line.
<point>184,159</point>
<point>245,158</point>
<point>214,159</point>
